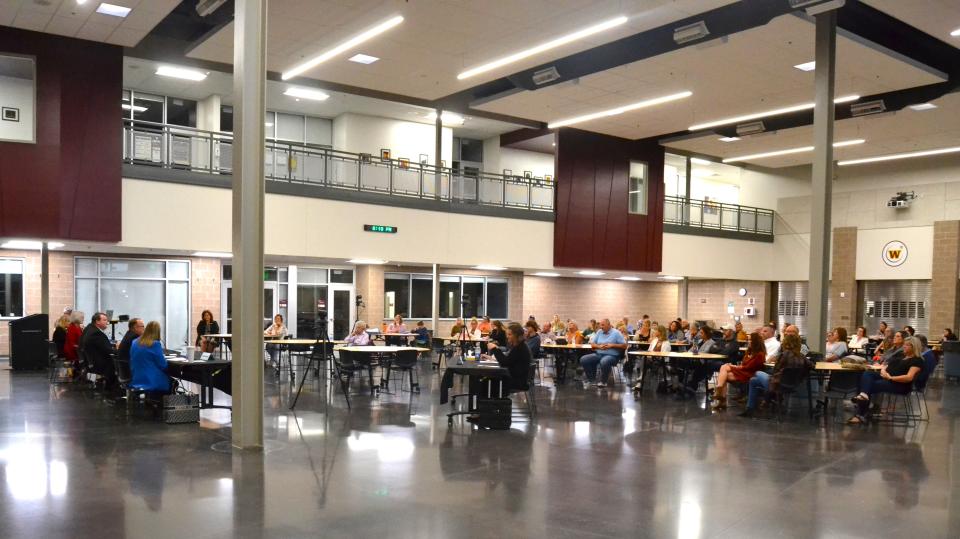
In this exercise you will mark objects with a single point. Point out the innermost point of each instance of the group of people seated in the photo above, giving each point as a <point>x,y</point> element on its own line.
<point>89,350</point>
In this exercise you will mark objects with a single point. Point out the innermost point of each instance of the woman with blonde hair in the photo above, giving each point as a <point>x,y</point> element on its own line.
<point>60,334</point>
<point>148,366</point>
<point>71,344</point>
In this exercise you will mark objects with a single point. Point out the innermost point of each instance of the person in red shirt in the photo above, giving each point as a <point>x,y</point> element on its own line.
<point>752,362</point>
<point>72,343</point>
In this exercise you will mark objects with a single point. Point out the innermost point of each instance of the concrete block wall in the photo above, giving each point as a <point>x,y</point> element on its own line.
<point>944,289</point>
<point>707,299</point>
<point>205,277</point>
<point>583,299</point>
<point>843,279</point>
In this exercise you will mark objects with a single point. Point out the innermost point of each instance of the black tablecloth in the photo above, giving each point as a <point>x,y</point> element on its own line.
<point>216,373</point>
<point>475,372</point>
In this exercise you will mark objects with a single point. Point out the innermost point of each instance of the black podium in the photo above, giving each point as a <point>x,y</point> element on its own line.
<point>28,342</point>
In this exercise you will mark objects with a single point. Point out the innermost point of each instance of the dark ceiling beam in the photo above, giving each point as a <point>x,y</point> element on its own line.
<point>720,22</point>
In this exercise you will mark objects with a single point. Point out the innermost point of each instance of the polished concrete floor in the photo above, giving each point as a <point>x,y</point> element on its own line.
<point>593,464</point>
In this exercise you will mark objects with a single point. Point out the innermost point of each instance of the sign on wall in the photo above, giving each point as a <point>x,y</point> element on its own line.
<point>894,253</point>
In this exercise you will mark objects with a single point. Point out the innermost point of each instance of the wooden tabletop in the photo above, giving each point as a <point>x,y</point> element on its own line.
<point>459,339</point>
<point>380,349</point>
<point>672,343</point>
<point>646,353</point>
<point>218,335</point>
<point>570,346</point>
<point>837,366</point>
<point>304,341</point>
<point>396,334</point>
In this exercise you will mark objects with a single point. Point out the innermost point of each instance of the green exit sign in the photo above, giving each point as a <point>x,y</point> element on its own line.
<point>383,229</point>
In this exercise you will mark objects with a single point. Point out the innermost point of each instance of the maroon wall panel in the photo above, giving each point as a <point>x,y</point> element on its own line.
<point>68,184</point>
<point>593,228</point>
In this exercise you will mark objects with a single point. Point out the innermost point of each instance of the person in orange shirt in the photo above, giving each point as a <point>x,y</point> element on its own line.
<point>573,334</point>
<point>485,325</point>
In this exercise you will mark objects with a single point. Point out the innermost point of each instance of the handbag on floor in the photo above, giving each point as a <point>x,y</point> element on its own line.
<point>181,408</point>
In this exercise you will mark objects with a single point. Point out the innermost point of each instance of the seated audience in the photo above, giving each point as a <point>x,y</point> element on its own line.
<point>276,330</point>
<point>859,340</point>
<point>894,377</point>
<point>789,358</point>
<point>71,344</point>
<point>643,334</point>
<point>706,368</point>
<point>729,346</point>
<point>770,343</point>
<point>59,338</point>
<point>558,326</point>
<point>96,347</point>
<point>948,335</point>
<point>473,332</point>
<point>881,333</point>
<point>546,334</point>
<point>573,335</point>
<point>590,329</point>
<point>792,329</point>
<point>359,335</point>
<point>910,331</point>
<point>836,347</point>
<point>532,337</point>
<point>517,360</point>
<point>893,352</point>
<point>485,325</point>
<point>147,364</point>
<point>658,343</point>
<point>397,326</point>
<point>625,322</point>
<point>741,334</point>
<point>752,362</point>
<point>609,346</point>
<point>207,326</point>
<point>134,329</point>
<point>457,328</point>
<point>422,335</point>
<point>675,333</point>
<point>498,333</point>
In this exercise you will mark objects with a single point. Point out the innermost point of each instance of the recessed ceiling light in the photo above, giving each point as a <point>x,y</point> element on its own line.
<point>955,33</point>
<point>546,274</point>
<point>488,267</point>
<point>923,153</point>
<point>922,106</point>
<point>22,244</point>
<point>341,48</point>
<point>774,112</point>
<point>629,278</point>
<point>306,93</point>
<point>113,10</point>
<point>268,124</point>
<point>789,151</point>
<point>181,73</point>
<point>134,108</point>
<point>212,254</point>
<point>591,273</point>
<point>729,139</point>
<point>363,59</point>
<point>562,40</point>
<point>806,66</point>
<point>699,161</point>
<point>671,278</point>
<point>81,2</point>
<point>368,261</point>
<point>620,110</point>
<point>446,117</point>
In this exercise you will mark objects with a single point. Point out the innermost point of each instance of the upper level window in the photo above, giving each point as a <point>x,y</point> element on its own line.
<point>637,193</point>
<point>17,99</point>
<point>181,112</point>
<point>11,288</point>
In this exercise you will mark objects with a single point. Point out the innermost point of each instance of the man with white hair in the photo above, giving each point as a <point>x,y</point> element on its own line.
<point>359,336</point>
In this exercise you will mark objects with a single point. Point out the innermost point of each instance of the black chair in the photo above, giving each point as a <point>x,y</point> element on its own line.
<point>406,362</point>
<point>790,381</point>
<point>528,392</point>
<point>842,385</point>
<point>344,368</point>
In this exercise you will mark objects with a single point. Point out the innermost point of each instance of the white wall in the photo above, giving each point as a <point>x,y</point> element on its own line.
<point>919,256</point>
<point>17,93</point>
<point>518,161</point>
<point>368,134</point>
<point>491,155</point>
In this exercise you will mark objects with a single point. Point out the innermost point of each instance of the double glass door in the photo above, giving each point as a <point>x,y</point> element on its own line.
<point>270,304</point>
<point>337,301</point>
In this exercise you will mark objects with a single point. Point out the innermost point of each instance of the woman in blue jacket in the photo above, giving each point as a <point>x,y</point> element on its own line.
<point>147,364</point>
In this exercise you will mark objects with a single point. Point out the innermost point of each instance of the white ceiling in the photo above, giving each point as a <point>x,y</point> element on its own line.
<point>140,75</point>
<point>438,39</point>
<point>66,18</point>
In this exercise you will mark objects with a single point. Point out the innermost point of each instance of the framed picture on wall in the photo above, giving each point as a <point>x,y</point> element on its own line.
<point>404,163</point>
<point>10,114</point>
<point>424,159</point>
<point>365,157</point>
<point>528,174</point>
<point>547,178</point>
<point>507,172</point>
<point>384,153</point>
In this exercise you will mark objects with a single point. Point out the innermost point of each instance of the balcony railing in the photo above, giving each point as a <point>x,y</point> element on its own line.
<point>717,216</point>
<point>196,150</point>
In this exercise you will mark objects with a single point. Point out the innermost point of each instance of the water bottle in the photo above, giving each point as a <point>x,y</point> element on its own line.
<point>476,351</point>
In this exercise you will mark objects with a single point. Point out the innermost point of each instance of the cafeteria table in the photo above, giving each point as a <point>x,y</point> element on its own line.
<point>208,374</point>
<point>287,343</point>
<point>687,357</point>
<point>568,351</point>
<point>221,339</point>
<point>371,353</point>
<point>482,375</point>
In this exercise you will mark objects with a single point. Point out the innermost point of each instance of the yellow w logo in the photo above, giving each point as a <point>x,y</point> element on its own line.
<point>894,254</point>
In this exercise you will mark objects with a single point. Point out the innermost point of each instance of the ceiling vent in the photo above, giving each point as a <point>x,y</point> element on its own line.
<point>690,32</point>
<point>750,128</point>
<point>545,76</point>
<point>867,108</point>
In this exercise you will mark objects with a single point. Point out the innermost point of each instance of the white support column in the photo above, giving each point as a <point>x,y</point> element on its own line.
<point>435,310</point>
<point>821,185</point>
<point>438,152</point>
<point>44,278</point>
<point>249,81</point>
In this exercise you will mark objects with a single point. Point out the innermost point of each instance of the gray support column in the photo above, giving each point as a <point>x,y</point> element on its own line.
<point>249,80</point>
<point>821,188</point>
<point>683,295</point>
<point>435,310</point>
<point>685,210</point>
<point>437,150</point>
<point>44,278</point>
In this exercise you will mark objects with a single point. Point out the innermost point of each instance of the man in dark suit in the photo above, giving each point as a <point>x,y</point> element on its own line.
<point>98,351</point>
<point>134,330</point>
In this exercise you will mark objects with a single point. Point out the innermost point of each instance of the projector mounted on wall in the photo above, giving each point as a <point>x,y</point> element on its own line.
<point>902,200</point>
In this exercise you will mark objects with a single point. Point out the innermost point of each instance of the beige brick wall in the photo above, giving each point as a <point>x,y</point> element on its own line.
<point>205,277</point>
<point>583,299</point>
<point>944,285</point>
<point>843,279</point>
<point>708,299</point>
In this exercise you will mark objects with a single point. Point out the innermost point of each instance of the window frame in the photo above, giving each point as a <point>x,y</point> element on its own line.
<point>643,206</point>
<point>486,280</point>
<point>23,287</point>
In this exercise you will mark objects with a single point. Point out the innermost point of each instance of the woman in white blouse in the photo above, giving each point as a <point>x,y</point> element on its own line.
<point>276,330</point>
<point>860,339</point>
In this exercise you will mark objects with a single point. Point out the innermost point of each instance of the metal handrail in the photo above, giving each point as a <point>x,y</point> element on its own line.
<point>717,215</point>
<point>198,150</point>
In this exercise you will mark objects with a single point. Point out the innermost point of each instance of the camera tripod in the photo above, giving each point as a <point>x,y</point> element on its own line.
<point>323,341</point>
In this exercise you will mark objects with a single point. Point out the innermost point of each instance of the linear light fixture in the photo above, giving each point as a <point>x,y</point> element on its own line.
<point>341,48</point>
<point>365,59</point>
<point>729,139</point>
<point>446,117</point>
<point>591,273</point>
<point>181,73</point>
<point>134,108</point>
<point>212,254</point>
<point>368,261</point>
<point>671,278</point>
<point>29,245</point>
<point>806,66</point>
<point>552,44</point>
<point>620,110</point>
<point>891,157</point>
<point>113,10</point>
<point>774,112</point>
<point>488,267</point>
<point>922,106</point>
<point>789,151</point>
<point>546,274</point>
<point>955,33</point>
<point>629,278</point>
<point>699,161</point>
<point>306,93</point>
